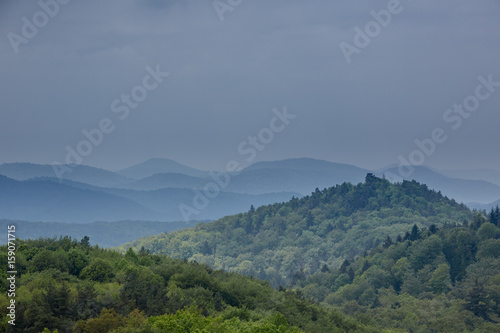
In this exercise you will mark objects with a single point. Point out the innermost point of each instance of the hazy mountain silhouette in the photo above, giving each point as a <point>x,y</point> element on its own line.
<point>301,175</point>
<point>487,207</point>
<point>167,180</point>
<point>462,190</point>
<point>167,202</point>
<point>159,165</point>
<point>50,199</point>
<point>79,173</point>
<point>41,200</point>
<point>492,176</point>
<point>88,194</point>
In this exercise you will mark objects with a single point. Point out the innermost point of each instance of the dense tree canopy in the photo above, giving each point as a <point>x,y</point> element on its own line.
<point>69,286</point>
<point>376,256</point>
<point>445,280</point>
<point>279,241</point>
<point>395,256</point>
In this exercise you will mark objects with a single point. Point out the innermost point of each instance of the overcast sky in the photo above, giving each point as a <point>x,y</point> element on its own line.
<point>226,77</point>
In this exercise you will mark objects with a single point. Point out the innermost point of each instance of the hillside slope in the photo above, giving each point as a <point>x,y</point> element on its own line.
<point>276,241</point>
<point>70,286</point>
<point>430,280</point>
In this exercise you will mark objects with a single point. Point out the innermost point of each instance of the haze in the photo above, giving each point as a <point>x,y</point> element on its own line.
<point>226,77</point>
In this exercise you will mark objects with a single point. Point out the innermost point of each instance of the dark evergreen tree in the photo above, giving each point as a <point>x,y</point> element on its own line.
<point>495,216</point>
<point>206,248</point>
<point>309,220</point>
<point>478,220</point>
<point>86,304</point>
<point>350,273</point>
<point>478,301</point>
<point>387,242</point>
<point>343,267</point>
<point>85,242</point>
<point>365,266</point>
<point>376,303</point>
<point>415,233</point>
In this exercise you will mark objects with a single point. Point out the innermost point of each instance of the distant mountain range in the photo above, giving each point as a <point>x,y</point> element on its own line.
<point>80,173</point>
<point>292,175</point>
<point>43,200</point>
<point>51,200</point>
<point>462,190</point>
<point>491,176</point>
<point>167,180</point>
<point>159,165</point>
<point>301,175</point>
<point>155,189</point>
<point>486,207</point>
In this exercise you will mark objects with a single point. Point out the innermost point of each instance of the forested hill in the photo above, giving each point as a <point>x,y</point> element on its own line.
<point>63,285</point>
<point>431,280</point>
<point>275,242</point>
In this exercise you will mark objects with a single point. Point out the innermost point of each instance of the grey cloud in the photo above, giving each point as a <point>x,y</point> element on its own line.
<point>228,76</point>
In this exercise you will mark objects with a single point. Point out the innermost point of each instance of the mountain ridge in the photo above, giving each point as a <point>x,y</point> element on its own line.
<point>82,173</point>
<point>159,165</point>
<point>91,203</point>
<point>463,190</point>
<point>322,228</point>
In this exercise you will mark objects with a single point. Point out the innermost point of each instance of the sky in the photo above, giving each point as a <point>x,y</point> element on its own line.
<point>206,82</point>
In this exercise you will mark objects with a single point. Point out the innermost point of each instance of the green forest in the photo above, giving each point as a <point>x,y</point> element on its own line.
<point>371,257</point>
<point>393,256</point>
<point>430,280</point>
<point>66,285</point>
<point>277,241</point>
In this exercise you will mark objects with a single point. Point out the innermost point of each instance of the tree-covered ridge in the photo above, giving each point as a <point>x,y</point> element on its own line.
<point>431,280</point>
<point>275,242</point>
<point>70,286</point>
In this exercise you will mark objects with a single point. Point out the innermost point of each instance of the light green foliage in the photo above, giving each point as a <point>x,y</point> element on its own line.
<point>275,242</point>
<point>489,248</point>
<point>408,286</point>
<point>107,321</point>
<point>191,320</point>
<point>420,281</point>
<point>440,281</point>
<point>438,275</point>
<point>425,252</point>
<point>77,261</point>
<point>99,270</point>
<point>488,231</point>
<point>141,292</point>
